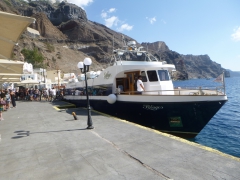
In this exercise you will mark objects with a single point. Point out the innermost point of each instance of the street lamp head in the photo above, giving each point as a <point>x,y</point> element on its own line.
<point>87,61</point>
<point>80,65</point>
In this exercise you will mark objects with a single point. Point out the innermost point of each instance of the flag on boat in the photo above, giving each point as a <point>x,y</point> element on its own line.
<point>219,78</point>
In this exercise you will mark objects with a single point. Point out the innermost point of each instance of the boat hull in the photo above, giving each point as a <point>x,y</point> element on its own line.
<point>183,119</point>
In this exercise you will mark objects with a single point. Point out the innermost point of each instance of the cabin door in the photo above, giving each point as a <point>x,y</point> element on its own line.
<point>132,81</point>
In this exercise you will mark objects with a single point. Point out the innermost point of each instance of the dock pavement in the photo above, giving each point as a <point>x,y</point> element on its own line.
<point>42,141</point>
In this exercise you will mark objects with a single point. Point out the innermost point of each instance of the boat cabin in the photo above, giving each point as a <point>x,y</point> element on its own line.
<point>121,77</point>
<point>155,82</point>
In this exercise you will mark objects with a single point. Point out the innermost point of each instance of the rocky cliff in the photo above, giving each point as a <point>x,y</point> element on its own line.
<point>56,13</point>
<point>46,28</point>
<point>201,66</point>
<point>65,27</point>
<point>158,46</point>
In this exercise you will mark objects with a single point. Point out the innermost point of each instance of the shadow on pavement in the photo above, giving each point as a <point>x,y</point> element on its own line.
<point>22,133</point>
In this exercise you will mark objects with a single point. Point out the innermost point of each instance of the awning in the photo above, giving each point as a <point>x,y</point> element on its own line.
<point>10,78</point>
<point>11,27</point>
<point>29,81</point>
<point>10,71</point>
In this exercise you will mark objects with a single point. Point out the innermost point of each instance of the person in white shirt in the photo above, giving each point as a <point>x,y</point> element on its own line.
<point>140,86</point>
<point>52,94</point>
<point>46,94</point>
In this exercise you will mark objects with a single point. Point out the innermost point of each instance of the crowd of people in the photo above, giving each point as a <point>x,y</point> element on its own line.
<point>6,97</point>
<point>30,94</point>
<point>9,97</point>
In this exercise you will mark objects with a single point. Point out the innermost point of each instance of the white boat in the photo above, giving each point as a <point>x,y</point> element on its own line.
<point>178,111</point>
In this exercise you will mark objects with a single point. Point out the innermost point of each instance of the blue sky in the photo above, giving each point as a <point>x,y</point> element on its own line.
<point>195,27</point>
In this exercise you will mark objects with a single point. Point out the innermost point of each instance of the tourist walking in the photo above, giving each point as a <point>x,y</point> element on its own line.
<point>27,96</point>
<point>18,94</point>
<point>8,99</point>
<point>1,112</point>
<point>2,94</point>
<point>2,103</point>
<point>3,97</point>
<point>30,94</point>
<point>40,92</point>
<point>52,94</point>
<point>46,94</point>
<point>35,94</point>
<point>12,94</point>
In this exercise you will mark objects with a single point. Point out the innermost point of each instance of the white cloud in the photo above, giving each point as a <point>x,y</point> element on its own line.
<point>103,14</point>
<point>81,3</point>
<point>151,20</point>
<point>111,10</point>
<point>125,27</point>
<point>236,34</point>
<point>109,22</point>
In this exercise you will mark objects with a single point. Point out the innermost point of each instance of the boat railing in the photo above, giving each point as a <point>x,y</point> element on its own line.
<point>178,91</point>
<point>197,91</point>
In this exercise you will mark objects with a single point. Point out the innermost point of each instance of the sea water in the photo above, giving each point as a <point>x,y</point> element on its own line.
<point>223,130</point>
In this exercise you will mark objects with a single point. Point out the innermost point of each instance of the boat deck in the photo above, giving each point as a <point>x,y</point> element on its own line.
<point>41,140</point>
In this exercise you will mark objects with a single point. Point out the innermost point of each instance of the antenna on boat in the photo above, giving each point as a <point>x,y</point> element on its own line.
<point>147,52</point>
<point>123,40</point>
<point>113,43</point>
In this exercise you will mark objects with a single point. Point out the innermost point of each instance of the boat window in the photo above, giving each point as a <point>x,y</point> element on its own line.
<point>152,76</point>
<point>144,77</point>
<point>163,75</point>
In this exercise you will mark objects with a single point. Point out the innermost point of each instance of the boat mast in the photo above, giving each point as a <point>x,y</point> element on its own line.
<point>224,87</point>
<point>113,43</point>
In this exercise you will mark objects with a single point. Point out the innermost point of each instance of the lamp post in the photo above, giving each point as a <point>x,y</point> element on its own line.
<point>84,67</point>
<point>58,74</point>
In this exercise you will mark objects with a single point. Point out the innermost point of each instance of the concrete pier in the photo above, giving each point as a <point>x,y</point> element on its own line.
<point>41,140</point>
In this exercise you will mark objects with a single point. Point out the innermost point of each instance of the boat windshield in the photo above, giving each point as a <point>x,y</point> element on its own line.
<point>154,75</point>
<point>163,75</point>
<point>144,76</point>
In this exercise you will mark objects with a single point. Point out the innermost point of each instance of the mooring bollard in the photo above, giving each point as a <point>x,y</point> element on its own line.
<point>74,115</point>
